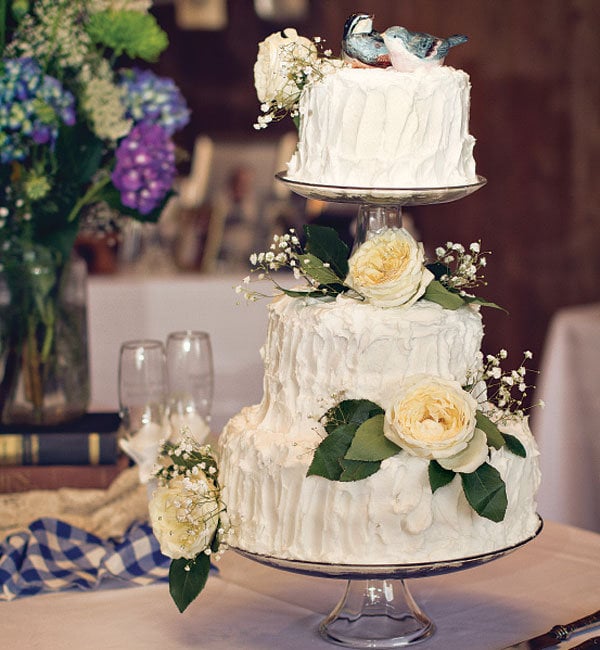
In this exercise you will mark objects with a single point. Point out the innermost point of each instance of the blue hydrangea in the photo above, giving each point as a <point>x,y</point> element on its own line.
<point>145,167</point>
<point>32,106</point>
<point>153,99</point>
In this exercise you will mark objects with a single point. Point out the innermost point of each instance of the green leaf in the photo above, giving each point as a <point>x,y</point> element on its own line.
<point>349,411</point>
<point>302,294</point>
<point>356,470</point>
<point>437,292</point>
<point>483,302</point>
<point>185,585</point>
<point>369,443</point>
<point>325,243</point>
<point>514,445</point>
<point>486,492</point>
<point>494,436</point>
<point>438,475</point>
<point>327,460</point>
<point>317,270</point>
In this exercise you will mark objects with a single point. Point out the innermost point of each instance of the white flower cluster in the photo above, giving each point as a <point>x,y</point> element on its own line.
<point>464,266</point>
<point>284,252</point>
<point>103,102</point>
<point>141,6</point>
<point>286,63</point>
<point>506,390</point>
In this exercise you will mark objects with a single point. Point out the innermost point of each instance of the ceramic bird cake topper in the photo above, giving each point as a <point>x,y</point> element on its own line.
<point>362,46</point>
<point>405,51</point>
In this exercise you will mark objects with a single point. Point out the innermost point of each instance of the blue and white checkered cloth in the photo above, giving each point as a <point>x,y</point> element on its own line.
<point>53,556</point>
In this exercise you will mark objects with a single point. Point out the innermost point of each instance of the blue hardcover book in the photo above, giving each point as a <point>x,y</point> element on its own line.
<point>90,440</point>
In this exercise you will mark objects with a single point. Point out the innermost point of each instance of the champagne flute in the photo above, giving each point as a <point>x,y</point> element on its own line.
<point>142,401</point>
<point>190,383</point>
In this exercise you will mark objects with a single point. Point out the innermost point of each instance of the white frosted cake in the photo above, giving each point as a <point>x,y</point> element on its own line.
<point>383,128</point>
<point>384,436</point>
<point>314,352</point>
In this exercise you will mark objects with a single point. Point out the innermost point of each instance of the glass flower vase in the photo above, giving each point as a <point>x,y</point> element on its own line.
<point>44,366</point>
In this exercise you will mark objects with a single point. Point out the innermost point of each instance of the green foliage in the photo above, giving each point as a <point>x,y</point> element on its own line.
<point>486,492</point>
<point>332,459</point>
<point>450,299</point>
<point>437,292</point>
<point>495,438</point>
<point>514,445</point>
<point>369,443</point>
<point>438,475</point>
<point>325,244</point>
<point>187,578</point>
<point>128,32</point>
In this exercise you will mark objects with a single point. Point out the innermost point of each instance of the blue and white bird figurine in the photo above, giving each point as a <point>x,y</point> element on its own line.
<point>411,50</point>
<point>362,46</point>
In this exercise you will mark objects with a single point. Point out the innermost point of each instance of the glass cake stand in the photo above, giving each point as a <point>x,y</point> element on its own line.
<point>377,609</point>
<point>380,207</point>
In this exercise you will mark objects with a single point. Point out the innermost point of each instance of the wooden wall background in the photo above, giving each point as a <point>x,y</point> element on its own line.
<point>535,112</point>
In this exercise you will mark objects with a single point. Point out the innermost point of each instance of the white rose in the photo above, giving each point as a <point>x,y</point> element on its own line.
<point>278,57</point>
<point>389,269</point>
<point>184,514</point>
<point>434,418</point>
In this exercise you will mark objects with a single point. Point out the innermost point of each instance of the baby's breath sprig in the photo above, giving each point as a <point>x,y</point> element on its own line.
<point>463,266</point>
<point>504,390</point>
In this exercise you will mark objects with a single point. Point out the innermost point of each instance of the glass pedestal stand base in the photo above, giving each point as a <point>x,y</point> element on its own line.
<point>380,207</point>
<point>376,614</point>
<point>377,610</point>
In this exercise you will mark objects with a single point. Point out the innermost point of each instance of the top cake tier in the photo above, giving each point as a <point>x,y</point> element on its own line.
<point>383,128</point>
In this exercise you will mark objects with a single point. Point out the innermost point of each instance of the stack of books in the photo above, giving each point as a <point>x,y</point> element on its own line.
<point>83,454</point>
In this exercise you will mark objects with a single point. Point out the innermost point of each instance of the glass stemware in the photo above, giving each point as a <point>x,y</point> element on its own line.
<point>142,400</point>
<point>190,383</point>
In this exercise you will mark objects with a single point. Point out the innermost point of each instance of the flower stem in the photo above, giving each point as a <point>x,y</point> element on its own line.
<point>91,193</point>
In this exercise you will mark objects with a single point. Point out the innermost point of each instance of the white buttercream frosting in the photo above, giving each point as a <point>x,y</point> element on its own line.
<point>383,128</point>
<point>316,354</point>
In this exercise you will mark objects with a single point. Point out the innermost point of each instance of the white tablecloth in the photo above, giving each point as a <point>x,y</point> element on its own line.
<point>125,307</point>
<point>568,427</point>
<point>554,579</point>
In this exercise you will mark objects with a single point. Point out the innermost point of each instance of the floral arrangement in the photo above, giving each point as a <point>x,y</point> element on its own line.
<point>387,270</point>
<point>79,127</point>
<point>285,64</point>
<point>452,427</point>
<point>187,515</point>
<point>75,128</point>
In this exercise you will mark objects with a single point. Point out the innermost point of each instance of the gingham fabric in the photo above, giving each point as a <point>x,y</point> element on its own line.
<point>53,555</point>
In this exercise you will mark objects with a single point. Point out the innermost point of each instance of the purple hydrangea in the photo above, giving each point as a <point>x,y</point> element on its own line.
<point>153,99</point>
<point>32,105</point>
<point>145,167</point>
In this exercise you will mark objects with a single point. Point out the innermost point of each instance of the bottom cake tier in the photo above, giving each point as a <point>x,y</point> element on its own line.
<point>391,517</point>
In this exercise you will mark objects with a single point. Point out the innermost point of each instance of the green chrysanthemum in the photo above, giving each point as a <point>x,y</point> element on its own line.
<point>128,32</point>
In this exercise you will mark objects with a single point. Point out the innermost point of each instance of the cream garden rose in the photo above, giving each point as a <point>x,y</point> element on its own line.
<point>184,513</point>
<point>275,65</point>
<point>389,269</point>
<point>434,418</point>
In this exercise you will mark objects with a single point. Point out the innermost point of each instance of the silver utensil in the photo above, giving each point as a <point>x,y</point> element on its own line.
<point>557,634</point>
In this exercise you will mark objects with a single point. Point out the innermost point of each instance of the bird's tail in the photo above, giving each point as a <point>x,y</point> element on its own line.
<point>456,39</point>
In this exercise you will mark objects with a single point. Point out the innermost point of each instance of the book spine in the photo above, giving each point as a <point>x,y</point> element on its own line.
<point>58,448</point>
<point>21,478</point>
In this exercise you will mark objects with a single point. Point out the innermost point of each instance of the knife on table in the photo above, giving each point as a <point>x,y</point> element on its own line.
<point>557,634</point>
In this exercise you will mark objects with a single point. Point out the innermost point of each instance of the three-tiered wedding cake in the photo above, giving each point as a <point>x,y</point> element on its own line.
<point>377,440</point>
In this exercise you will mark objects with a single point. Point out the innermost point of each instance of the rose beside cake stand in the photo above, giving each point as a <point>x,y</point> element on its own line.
<point>377,610</point>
